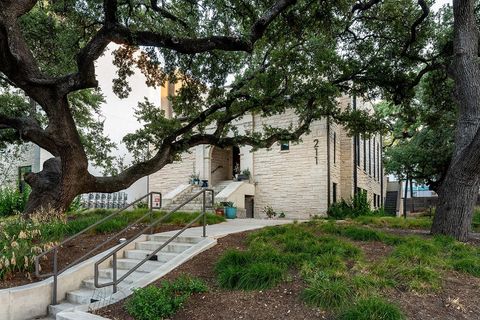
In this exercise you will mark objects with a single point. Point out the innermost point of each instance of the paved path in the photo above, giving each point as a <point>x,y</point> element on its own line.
<point>231,226</point>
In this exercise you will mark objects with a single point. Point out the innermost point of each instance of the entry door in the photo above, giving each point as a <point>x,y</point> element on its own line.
<point>249,205</point>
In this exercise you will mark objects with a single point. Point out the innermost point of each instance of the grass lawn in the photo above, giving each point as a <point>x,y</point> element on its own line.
<point>419,222</point>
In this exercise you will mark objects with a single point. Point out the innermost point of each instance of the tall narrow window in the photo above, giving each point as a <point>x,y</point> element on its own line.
<point>334,147</point>
<point>334,192</point>
<point>357,149</point>
<point>364,154</point>
<point>379,159</point>
<point>374,160</point>
<point>369,157</point>
<point>374,200</point>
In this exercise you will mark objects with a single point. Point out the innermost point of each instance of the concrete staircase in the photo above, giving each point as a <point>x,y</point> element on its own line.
<point>88,297</point>
<point>196,204</point>
<point>391,202</point>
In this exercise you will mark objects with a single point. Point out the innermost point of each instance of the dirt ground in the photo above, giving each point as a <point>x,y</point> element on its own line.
<point>459,298</point>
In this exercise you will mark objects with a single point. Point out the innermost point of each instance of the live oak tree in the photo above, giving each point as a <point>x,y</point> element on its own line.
<point>284,54</point>
<point>445,147</point>
<point>460,187</point>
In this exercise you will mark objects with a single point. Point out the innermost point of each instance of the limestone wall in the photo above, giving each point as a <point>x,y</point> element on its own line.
<point>292,181</point>
<point>174,174</point>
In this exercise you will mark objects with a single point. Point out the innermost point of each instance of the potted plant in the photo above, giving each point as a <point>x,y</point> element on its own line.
<point>230,210</point>
<point>236,171</point>
<point>220,209</point>
<point>245,175</point>
<point>195,178</point>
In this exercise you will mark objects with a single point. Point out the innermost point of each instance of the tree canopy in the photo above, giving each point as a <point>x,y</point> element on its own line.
<point>284,54</point>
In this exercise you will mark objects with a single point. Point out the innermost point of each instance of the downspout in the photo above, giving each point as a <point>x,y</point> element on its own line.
<point>355,143</point>
<point>381,170</point>
<point>328,163</point>
<point>405,199</point>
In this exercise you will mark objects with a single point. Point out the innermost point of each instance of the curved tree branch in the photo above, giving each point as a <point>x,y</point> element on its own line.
<point>114,32</point>
<point>29,129</point>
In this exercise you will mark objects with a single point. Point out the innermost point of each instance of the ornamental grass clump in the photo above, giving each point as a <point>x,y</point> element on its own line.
<point>373,308</point>
<point>20,242</point>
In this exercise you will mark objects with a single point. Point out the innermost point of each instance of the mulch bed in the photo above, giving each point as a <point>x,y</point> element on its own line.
<point>459,298</point>
<point>74,250</point>
<point>281,302</point>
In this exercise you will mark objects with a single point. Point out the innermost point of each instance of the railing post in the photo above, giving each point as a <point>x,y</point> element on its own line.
<point>55,276</point>
<point>151,212</point>
<point>114,266</point>
<point>204,214</point>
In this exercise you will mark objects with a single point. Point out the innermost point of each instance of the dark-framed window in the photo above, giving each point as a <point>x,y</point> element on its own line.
<point>364,154</point>
<point>374,160</point>
<point>378,161</point>
<point>21,177</point>
<point>334,192</point>
<point>357,150</point>
<point>374,200</point>
<point>284,145</point>
<point>334,147</point>
<point>369,156</point>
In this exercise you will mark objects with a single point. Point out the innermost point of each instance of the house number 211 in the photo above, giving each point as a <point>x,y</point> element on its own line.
<point>315,146</point>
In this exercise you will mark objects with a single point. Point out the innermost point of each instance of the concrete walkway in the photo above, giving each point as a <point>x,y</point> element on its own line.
<point>230,226</point>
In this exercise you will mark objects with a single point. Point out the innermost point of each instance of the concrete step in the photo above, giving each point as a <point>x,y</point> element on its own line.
<point>147,266</point>
<point>78,315</point>
<point>181,239</point>
<point>141,254</point>
<point>62,306</point>
<point>108,273</point>
<point>154,245</point>
<point>90,284</point>
<point>81,296</point>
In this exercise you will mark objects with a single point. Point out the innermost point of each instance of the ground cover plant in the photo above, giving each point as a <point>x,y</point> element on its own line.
<point>12,201</point>
<point>21,240</point>
<point>334,268</point>
<point>155,303</point>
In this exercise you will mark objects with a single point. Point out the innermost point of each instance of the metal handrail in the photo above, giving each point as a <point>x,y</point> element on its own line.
<point>57,272</point>
<point>114,252</point>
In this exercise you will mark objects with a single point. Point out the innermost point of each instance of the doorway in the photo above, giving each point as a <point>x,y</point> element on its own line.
<point>249,206</point>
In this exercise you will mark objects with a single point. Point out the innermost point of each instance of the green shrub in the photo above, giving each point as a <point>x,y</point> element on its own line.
<point>358,206</point>
<point>12,201</point>
<point>340,210</point>
<point>152,303</point>
<point>373,308</point>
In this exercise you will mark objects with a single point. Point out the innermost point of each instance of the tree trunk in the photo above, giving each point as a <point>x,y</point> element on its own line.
<point>455,207</point>
<point>47,193</point>
<point>459,190</point>
<point>411,196</point>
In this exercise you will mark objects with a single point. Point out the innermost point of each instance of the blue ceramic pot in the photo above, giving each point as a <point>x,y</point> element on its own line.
<point>230,212</point>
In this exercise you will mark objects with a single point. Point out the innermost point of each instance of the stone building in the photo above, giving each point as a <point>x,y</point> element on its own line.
<point>300,179</point>
<point>14,164</point>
